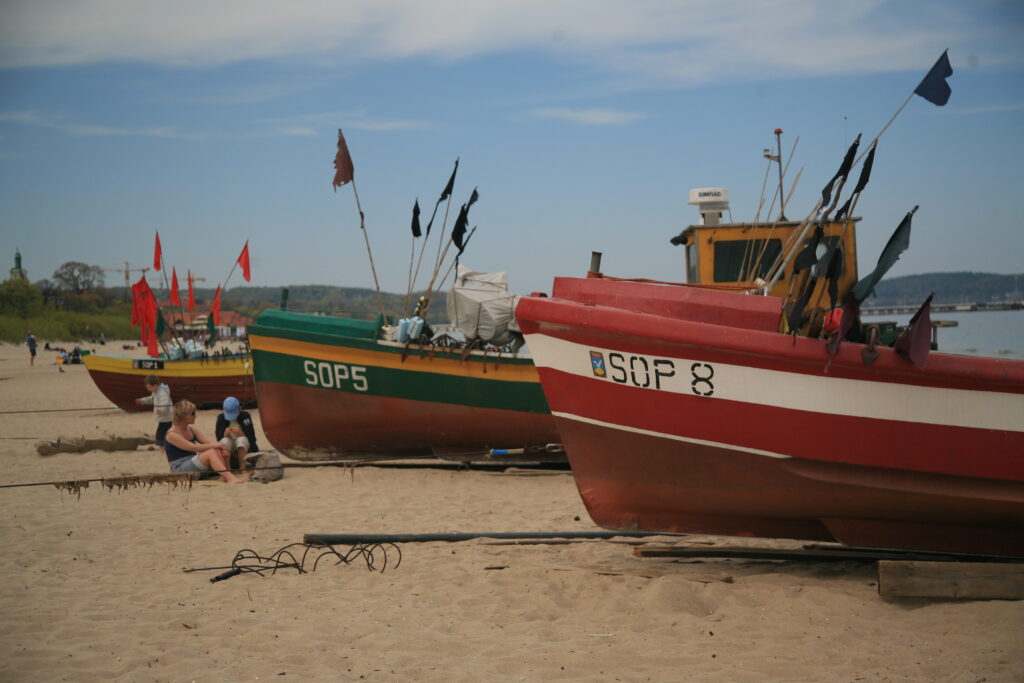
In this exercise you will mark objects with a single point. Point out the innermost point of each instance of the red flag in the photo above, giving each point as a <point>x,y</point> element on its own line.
<point>191,293</point>
<point>144,309</point>
<point>215,307</point>
<point>175,295</point>
<point>157,252</point>
<point>243,260</point>
<point>916,341</point>
<point>344,170</point>
<point>152,346</point>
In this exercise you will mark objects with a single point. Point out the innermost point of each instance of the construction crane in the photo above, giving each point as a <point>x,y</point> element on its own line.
<point>127,270</point>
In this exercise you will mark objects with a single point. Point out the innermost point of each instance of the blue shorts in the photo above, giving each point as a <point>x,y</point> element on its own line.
<point>193,464</point>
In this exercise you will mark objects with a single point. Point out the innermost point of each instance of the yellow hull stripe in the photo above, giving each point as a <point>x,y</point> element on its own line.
<point>173,368</point>
<point>440,365</point>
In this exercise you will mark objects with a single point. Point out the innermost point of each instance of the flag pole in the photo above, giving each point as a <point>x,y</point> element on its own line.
<point>345,173</point>
<point>424,245</point>
<point>446,193</point>
<point>412,252</point>
<point>163,272</point>
<point>452,266</point>
<point>366,238</point>
<point>408,289</point>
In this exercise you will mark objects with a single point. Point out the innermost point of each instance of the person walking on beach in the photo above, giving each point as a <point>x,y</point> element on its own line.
<point>235,432</point>
<point>189,451</point>
<point>160,398</point>
<point>31,341</point>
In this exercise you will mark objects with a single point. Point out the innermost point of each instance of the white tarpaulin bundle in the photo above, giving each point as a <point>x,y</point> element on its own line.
<point>481,306</point>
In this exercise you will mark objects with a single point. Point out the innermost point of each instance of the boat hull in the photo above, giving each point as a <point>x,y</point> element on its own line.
<point>325,396</point>
<point>732,428</point>
<point>204,382</point>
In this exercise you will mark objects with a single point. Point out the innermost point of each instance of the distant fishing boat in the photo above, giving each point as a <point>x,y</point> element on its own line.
<point>206,382</point>
<point>188,369</point>
<point>333,387</point>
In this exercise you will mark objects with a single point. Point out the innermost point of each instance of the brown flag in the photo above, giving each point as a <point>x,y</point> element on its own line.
<point>344,170</point>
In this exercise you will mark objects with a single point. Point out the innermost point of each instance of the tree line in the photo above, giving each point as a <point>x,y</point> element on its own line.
<point>77,287</point>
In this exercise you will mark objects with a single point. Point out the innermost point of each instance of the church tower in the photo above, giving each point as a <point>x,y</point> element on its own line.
<point>17,272</point>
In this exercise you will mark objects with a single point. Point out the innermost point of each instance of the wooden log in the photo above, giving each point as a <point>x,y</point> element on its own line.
<point>956,580</point>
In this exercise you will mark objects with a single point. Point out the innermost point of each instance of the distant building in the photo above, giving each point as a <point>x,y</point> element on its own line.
<point>17,272</point>
<point>232,323</point>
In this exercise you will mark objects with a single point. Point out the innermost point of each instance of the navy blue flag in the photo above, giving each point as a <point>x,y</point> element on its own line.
<point>416,218</point>
<point>934,87</point>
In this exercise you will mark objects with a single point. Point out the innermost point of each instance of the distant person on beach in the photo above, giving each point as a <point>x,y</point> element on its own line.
<point>31,341</point>
<point>235,431</point>
<point>189,451</point>
<point>160,398</point>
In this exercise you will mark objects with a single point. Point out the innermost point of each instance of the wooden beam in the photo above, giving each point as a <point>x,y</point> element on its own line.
<point>956,580</point>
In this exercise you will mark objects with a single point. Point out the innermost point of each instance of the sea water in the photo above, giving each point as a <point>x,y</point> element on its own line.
<point>999,334</point>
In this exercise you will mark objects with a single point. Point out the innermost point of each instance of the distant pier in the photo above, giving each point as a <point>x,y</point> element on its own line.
<point>909,309</point>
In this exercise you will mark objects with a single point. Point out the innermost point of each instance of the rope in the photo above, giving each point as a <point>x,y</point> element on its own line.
<point>56,410</point>
<point>247,561</point>
<point>132,480</point>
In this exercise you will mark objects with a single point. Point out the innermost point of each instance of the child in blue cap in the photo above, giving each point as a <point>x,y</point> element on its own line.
<point>236,432</point>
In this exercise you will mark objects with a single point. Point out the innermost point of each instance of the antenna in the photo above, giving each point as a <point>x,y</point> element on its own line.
<point>777,158</point>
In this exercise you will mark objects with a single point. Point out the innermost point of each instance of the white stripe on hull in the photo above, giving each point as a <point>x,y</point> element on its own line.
<point>793,391</point>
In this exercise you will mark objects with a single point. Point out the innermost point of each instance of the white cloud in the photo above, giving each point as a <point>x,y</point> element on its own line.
<point>300,126</point>
<point>662,41</point>
<point>32,118</point>
<point>588,117</point>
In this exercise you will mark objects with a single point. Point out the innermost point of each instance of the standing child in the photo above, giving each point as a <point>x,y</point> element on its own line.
<point>235,431</point>
<point>31,341</point>
<point>160,398</point>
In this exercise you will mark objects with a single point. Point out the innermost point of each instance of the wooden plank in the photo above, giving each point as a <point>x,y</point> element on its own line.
<point>808,553</point>
<point>956,580</point>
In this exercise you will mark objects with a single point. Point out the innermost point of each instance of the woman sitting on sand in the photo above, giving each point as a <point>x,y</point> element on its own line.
<point>189,451</point>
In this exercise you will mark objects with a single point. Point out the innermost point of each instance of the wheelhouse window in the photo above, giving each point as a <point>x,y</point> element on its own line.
<point>744,260</point>
<point>692,269</point>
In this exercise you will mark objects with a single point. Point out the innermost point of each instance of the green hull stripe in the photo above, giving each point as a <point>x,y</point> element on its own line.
<point>402,384</point>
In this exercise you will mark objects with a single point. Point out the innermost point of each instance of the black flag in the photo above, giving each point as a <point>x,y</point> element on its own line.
<point>844,169</point>
<point>865,174</point>
<point>451,183</point>
<point>416,218</point>
<point>896,245</point>
<point>462,222</point>
<point>934,87</point>
<point>808,256</point>
<point>445,193</point>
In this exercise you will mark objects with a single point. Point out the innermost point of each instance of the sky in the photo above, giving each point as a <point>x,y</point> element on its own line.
<point>583,124</point>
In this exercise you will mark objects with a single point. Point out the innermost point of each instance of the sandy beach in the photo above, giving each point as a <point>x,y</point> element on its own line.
<point>94,586</point>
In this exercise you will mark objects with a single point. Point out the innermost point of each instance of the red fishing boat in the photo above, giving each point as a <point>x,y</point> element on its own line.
<point>686,410</point>
<point>746,403</point>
